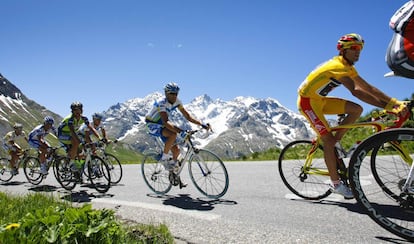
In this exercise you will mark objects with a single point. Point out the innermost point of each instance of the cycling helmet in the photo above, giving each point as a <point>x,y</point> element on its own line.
<point>49,120</point>
<point>171,88</point>
<point>17,126</point>
<point>76,105</point>
<point>97,116</point>
<point>350,40</point>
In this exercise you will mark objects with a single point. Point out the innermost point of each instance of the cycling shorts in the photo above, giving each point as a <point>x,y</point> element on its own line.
<point>156,130</point>
<point>314,110</point>
<point>36,144</point>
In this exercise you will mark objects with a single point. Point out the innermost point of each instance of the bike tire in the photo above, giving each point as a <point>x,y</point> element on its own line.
<point>99,174</point>
<point>208,173</point>
<point>154,174</point>
<point>64,175</point>
<point>31,168</point>
<point>115,167</point>
<point>5,170</point>
<point>291,161</point>
<point>384,202</point>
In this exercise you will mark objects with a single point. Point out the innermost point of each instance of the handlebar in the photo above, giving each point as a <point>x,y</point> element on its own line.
<point>401,117</point>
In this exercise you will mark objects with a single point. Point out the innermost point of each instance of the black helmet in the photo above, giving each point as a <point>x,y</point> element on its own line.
<point>97,116</point>
<point>76,105</point>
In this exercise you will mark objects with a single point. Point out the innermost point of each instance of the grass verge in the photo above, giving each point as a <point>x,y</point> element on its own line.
<point>38,218</point>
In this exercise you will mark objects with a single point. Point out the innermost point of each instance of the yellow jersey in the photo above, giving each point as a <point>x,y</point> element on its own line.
<point>324,78</point>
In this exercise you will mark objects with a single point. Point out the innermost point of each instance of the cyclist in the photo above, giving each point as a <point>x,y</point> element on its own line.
<point>159,124</point>
<point>85,133</point>
<point>400,51</point>
<point>314,103</point>
<point>10,143</point>
<point>68,132</point>
<point>37,140</point>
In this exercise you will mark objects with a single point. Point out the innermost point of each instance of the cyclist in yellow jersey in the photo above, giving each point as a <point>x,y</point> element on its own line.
<point>11,143</point>
<point>68,131</point>
<point>314,103</point>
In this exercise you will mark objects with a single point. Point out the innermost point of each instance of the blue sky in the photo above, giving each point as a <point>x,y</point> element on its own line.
<point>105,52</point>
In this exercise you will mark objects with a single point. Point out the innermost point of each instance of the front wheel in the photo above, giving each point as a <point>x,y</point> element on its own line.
<point>377,175</point>
<point>308,182</point>
<point>99,174</point>
<point>31,168</point>
<point>115,168</point>
<point>208,173</point>
<point>154,174</point>
<point>5,170</point>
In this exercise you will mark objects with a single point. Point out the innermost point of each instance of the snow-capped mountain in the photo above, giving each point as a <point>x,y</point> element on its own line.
<point>15,107</point>
<point>241,126</point>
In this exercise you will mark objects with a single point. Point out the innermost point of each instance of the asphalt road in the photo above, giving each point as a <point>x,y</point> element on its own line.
<point>257,208</point>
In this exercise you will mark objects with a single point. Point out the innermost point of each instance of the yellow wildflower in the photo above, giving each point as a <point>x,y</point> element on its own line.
<point>13,225</point>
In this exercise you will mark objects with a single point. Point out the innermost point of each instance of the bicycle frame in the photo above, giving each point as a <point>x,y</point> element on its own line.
<point>378,126</point>
<point>187,143</point>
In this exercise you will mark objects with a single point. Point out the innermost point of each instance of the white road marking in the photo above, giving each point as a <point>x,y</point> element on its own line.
<point>169,209</point>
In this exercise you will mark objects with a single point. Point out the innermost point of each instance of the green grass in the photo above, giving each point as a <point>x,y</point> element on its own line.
<point>39,218</point>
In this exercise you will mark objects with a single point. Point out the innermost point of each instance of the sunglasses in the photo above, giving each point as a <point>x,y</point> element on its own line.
<point>356,47</point>
<point>173,93</point>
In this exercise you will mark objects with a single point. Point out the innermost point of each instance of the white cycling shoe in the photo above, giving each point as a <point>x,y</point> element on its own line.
<point>343,190</point>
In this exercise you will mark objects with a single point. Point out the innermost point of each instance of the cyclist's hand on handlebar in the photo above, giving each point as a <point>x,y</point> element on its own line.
<point>206,126</point>
<point>397,107</point>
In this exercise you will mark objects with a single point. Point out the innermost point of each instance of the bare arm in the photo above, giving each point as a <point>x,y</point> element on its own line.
<point>365,92</point>
<point>188,116</point>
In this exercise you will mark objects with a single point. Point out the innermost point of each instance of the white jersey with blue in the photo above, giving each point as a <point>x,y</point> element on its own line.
<point>40,132</point>
<point>161,106</point>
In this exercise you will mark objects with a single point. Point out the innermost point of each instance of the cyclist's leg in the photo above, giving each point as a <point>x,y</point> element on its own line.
<point>170,136</point>
<point>42,151</point>
<point>352,110</point>
<point>314,110</point>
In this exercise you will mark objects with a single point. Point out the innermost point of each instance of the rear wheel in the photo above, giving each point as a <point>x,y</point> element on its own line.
<point>5,170</point>
<point>305,183</point>
<point>154,174</point>
<point>65,176</point>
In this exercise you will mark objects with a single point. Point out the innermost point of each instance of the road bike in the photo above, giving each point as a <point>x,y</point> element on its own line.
<point>302,166</point>
<point>31,167</point>
<point>113,162</point>
<point>387,159</point>
<point>207,171</point>
<point>7,172</point>
<point>98,172</point>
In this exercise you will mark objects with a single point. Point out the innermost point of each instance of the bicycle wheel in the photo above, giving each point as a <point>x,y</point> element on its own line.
<point>115,168</point>
<point>31,168</point>
<point>208,173</point>
<point>64,175</point>
<point>5,170</point>
<point>389,176</point>
<point>99,174</point>
<point>154,174</point>
<point>375,160</point>
<point>305,183</point>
